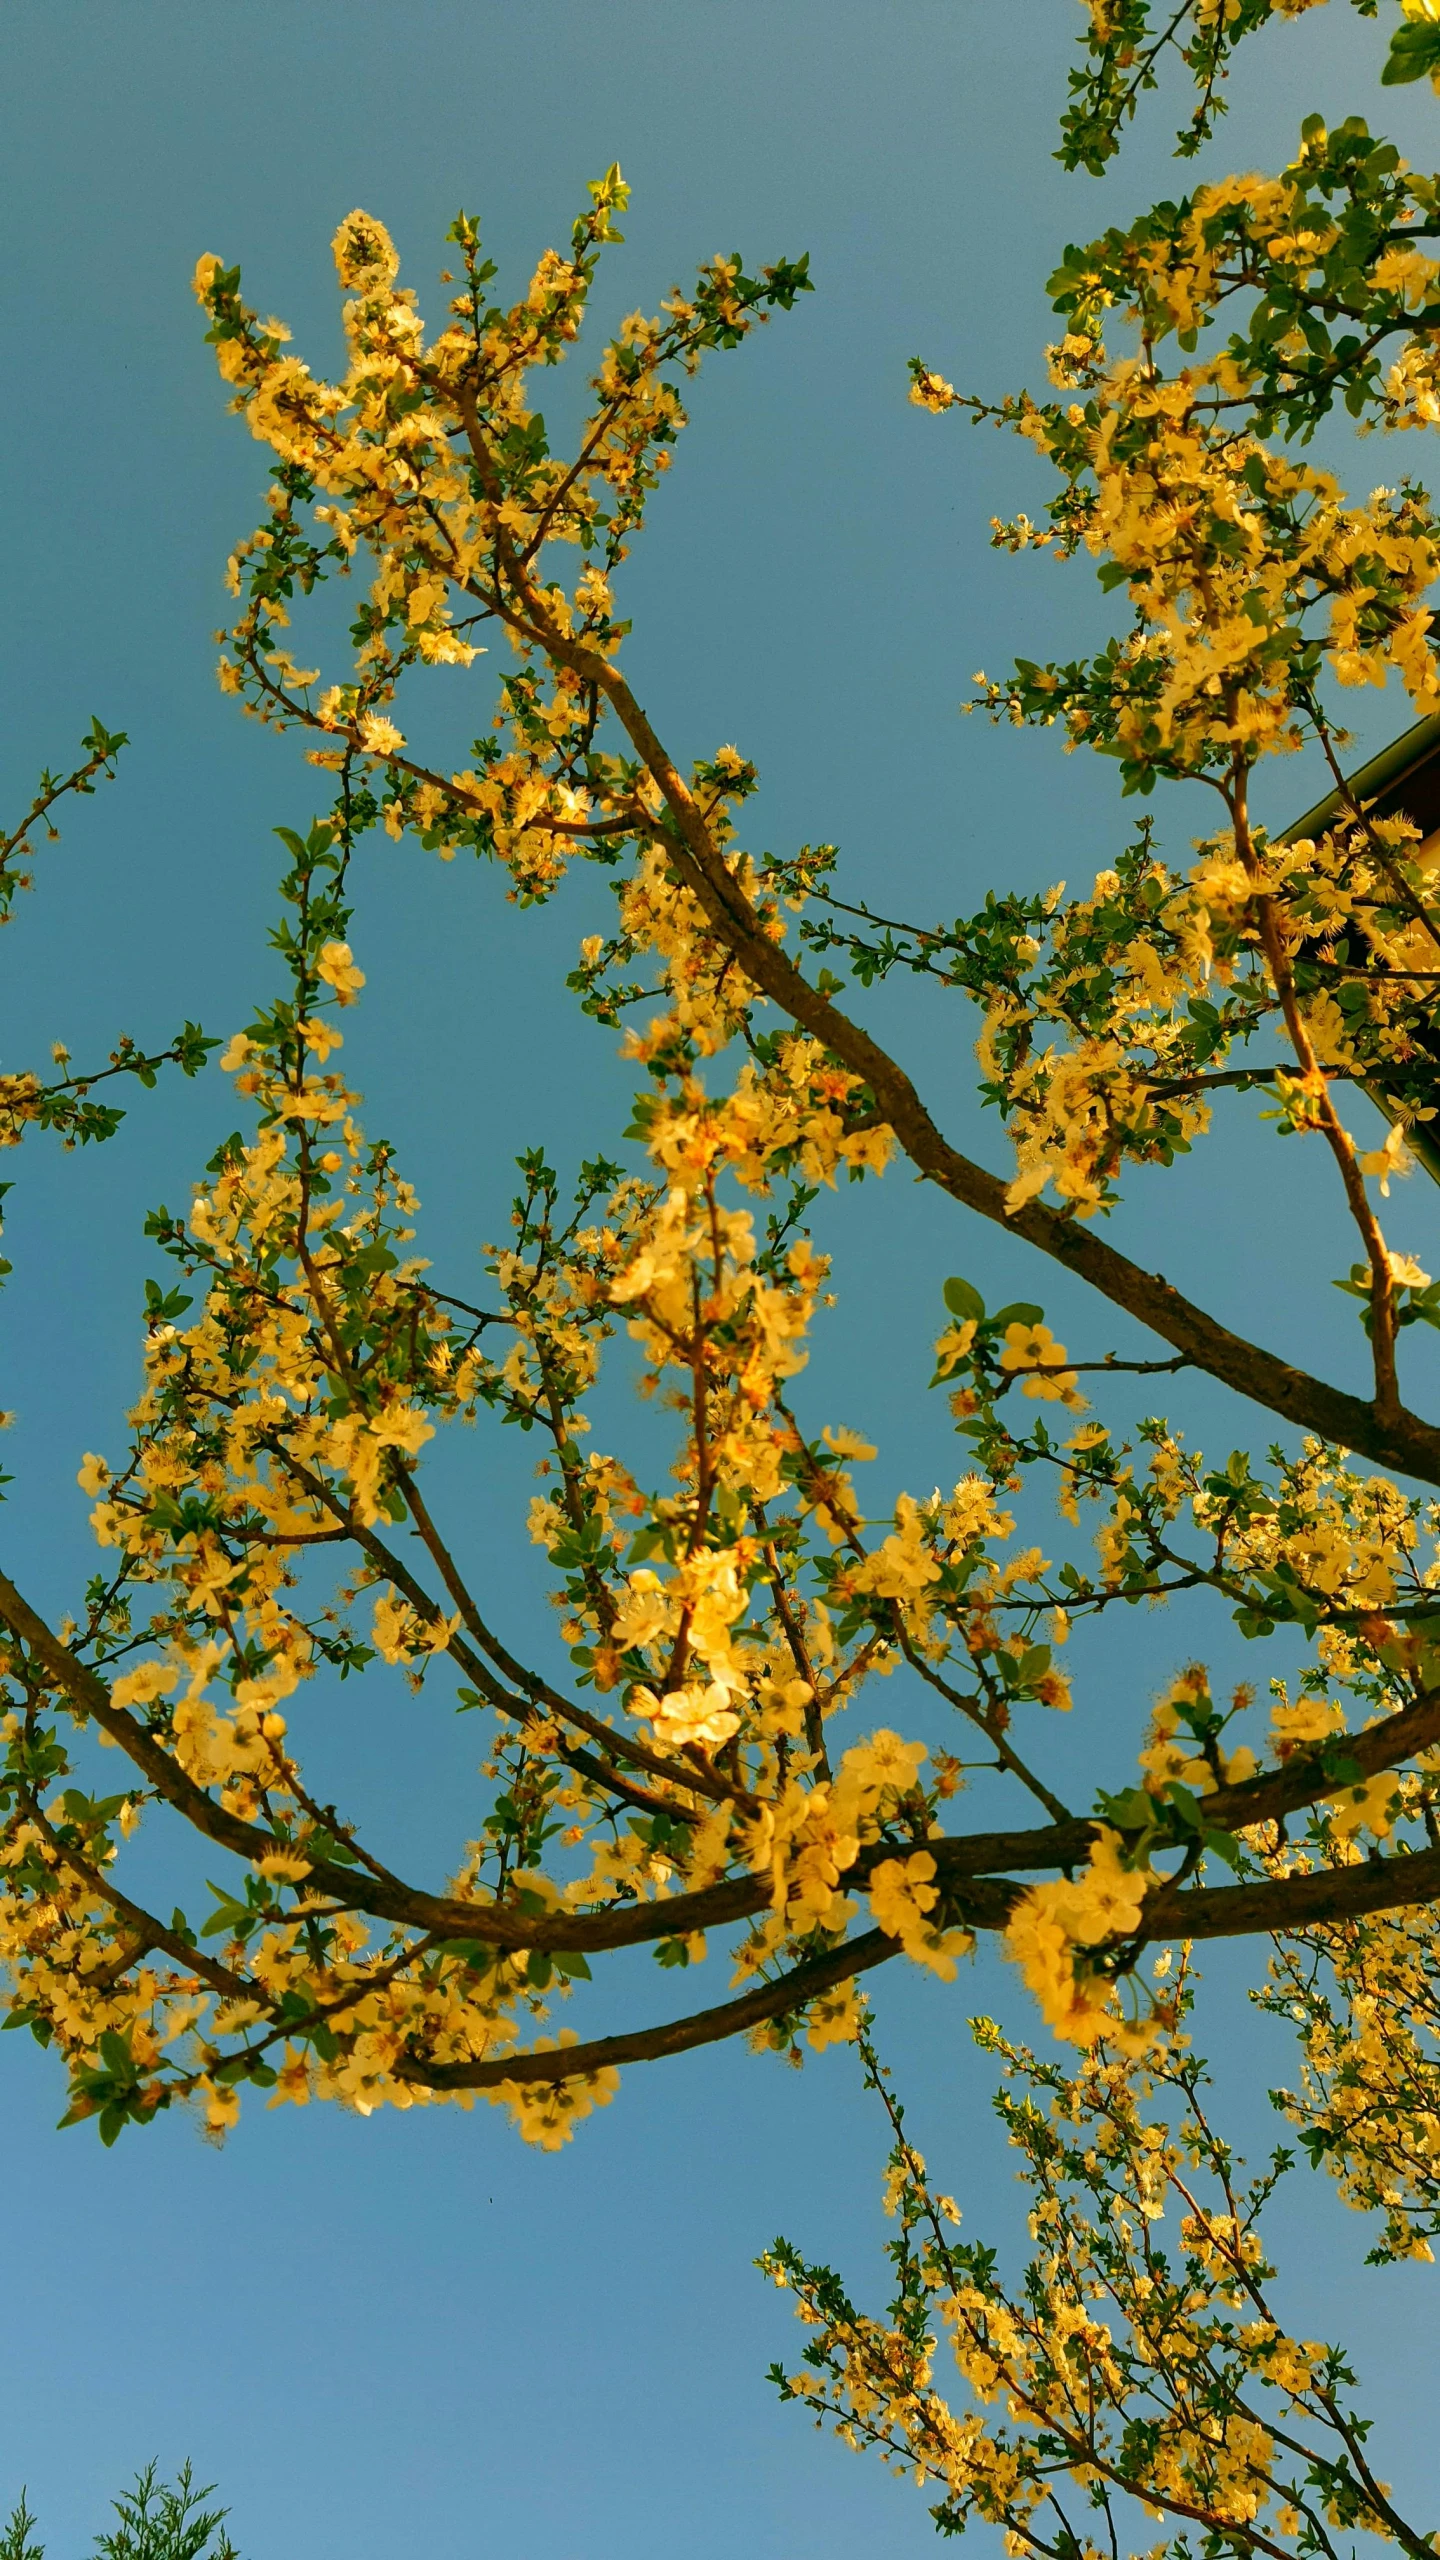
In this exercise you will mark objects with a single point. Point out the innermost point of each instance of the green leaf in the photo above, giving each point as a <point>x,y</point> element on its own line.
<point>1185,1806</point>
<point>1414,53</point>
<point>1132,1810</point>
<point>964,1301</point>
<point>1223,1844</point>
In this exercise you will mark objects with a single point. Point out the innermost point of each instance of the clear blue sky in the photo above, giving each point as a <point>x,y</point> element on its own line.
<point>412,2336</point>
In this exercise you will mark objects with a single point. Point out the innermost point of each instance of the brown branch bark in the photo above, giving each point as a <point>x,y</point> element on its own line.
<point>1400,1439</point>
<point>679,2035</point>
<point>150,1934</point>
<point>1276,1906</point>
<point>980,1854</point>
<point>1292,1902</point>
<point>88,1692</point>
<point>1270,1908</point>
<point>537,1697</point>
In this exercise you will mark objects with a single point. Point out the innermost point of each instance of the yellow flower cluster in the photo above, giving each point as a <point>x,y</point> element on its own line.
<point>1055,1926</point>
<point>679,1775</point>
<point>1150,2375</point>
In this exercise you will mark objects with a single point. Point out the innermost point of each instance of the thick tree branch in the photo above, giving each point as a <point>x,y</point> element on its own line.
<point>1400,1439</point>
<point>150,1934</point>
<point>1276,1906</point>
<point>537,1698</point>
<point>680,2035</point>
<point>1055,1845</point>
<point>88,1693</point>
<point>1291,1902</point>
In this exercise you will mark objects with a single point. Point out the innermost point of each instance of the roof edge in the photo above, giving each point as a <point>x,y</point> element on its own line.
<point>1379,775</point>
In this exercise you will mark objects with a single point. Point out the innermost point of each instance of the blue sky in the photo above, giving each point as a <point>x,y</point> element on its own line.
<point>412,2334</point>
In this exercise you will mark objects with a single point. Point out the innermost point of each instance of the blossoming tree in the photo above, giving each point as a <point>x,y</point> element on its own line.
<point>673,1776</point>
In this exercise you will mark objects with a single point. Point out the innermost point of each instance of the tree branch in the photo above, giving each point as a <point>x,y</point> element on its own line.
<point>1400,1439</point>
<point>681,2035</point>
